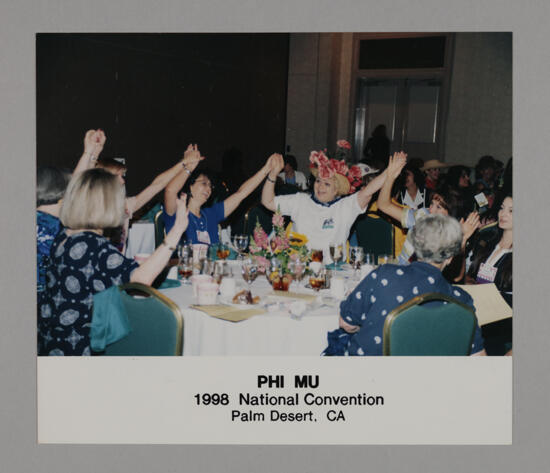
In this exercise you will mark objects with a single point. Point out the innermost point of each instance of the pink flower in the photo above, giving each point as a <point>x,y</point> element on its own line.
<point>355,173</point>
<point>343,144</point>
<point>260,237</point>
<point>262,263</point>
<point>279,244</point>
<point>318,158</point>
<point>278,220</point>
<point>325,172</point>
<point>354,178</point>
<point>339,166</point>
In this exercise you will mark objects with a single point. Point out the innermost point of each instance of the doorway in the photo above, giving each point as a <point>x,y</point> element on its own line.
<point>410,108</point>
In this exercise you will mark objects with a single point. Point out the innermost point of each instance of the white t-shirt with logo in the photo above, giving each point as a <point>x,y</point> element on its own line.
<point>320,224</point>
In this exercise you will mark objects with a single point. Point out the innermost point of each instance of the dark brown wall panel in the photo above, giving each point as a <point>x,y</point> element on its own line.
<point>155,93</point>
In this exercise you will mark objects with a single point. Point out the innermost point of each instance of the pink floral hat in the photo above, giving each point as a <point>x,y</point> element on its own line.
<point>348,178</point>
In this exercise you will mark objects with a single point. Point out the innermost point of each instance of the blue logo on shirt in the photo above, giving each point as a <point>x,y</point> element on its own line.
<point>328,223</point>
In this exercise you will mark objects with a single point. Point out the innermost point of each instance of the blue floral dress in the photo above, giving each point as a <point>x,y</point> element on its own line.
<point>82,265</point>
<point>47,228</point>
<point>384,289</point>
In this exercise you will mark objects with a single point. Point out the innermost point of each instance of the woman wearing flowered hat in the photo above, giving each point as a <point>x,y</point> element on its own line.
<point>326,216</point>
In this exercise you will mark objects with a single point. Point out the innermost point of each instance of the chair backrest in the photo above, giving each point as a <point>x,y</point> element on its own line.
<point>375,234</point>
<point>419,328</point>
<point>159,229</point>
<point>156,322</point>
<point>261,214</point>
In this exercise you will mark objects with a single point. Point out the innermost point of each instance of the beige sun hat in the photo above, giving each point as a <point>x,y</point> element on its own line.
<point>342,183</point>
<point>434,164</point>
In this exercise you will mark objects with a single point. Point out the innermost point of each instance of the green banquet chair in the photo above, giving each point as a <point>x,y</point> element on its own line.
<point>156,324</point>
<point>417,328</point>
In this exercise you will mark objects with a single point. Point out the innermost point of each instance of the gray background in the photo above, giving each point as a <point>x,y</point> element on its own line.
<point>20,22</point>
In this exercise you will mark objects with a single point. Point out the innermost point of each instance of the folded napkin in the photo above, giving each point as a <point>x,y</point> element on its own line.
<point>225,312</point>
<point>109,320</point>
<point>169,283</point>
<point>294,295</point>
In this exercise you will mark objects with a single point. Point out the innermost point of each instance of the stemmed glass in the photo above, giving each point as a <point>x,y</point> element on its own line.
<point>220,271</point>
<point>336,253</point>
<point>249,271</point>
<point>185,251</point>
<point>241,244</point>
<point>356,256</point>
<point>297,269</point>
<point>317,278</point>
<point>185,270</point>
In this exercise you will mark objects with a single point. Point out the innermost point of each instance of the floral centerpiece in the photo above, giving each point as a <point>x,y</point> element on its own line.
<point>276,254</point>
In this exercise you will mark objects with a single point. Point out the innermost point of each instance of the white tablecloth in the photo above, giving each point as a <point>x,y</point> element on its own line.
<point>272,333</point>
<point>141,239</point>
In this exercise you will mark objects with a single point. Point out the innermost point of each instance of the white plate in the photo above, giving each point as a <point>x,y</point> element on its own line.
<point>226,300</point>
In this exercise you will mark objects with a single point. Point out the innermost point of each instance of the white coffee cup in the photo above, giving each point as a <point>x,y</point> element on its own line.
<point>228,287</point>
<point>207,293</point>
<point>198,279</point>
<point>338,288</point>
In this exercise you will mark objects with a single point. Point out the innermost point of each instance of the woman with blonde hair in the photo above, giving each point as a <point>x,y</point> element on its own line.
<point>51,183</point>
<point>84,262</point>
<point>326,216</point>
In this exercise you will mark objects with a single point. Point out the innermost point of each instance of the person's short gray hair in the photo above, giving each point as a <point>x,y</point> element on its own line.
<point>94,199</point>
<point>436,238</point>
<point>51,183</point>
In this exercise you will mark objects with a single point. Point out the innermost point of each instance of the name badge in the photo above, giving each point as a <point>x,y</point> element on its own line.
<point>481,199</point>
<point>487,272</point>
<point>203,237</point>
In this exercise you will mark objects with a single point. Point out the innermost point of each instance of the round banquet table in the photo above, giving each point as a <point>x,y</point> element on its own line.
<point>274,333</point>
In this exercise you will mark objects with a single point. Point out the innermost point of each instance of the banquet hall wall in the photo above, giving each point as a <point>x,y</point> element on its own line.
<point>478,119</point>
<point>155,93</point>
<point>260,93</point>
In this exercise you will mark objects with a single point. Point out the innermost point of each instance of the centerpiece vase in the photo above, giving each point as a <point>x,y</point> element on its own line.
<point>280,281</point>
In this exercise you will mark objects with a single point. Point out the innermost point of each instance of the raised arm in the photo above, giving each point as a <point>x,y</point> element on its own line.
<point>366,193</point>
<point>94,140</point>
<point>233,201</point>
<point>469,226</point>
<point>185,167</point>
<point>153,265</point>
<point>396,164</point>
<point>268,191</point>
<point>177,179</point>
